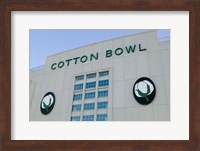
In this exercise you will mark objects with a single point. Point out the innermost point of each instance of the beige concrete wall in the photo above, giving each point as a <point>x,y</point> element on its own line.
<point>124,70</point>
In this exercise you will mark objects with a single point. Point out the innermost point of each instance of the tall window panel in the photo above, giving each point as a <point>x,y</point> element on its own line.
<point>102,117</point>
<point>75,118</point>
<point>78,87</point>
<point>90,95</point>
<point>104,73</point>
<point>89,106</point>
<point>102,105</point>
<point>103,93</point>
<point>103,83</point>
<point>88,118</point>
<point>81,77</point>
<point>90,85</point>
<point>92,75</point>
<point>77,97</point>
<point>76,107</point>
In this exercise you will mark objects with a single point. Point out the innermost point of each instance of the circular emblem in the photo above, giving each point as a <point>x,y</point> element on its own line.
<point>144,90</point>
<point>47,103</point>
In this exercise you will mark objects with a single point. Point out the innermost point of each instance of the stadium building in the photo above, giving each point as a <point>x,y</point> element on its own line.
<point>121,79</point>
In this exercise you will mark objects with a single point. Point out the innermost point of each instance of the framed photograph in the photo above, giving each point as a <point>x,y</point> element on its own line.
<point>126,79</point>
<point>129,64</point>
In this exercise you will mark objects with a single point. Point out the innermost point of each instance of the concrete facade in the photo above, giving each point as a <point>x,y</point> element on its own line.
<point>150,58</point>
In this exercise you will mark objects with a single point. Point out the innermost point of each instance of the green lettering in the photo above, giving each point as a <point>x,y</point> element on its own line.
<point>68,60</point>
<point>130,49</point>
<point>53,66</point>
<point>118,51</point>
<point>61,64</point>
<point>108,53</point>
<point>93,56</point>
<point>76,59</point>
<point>83,59</point>
<point>140,49</point>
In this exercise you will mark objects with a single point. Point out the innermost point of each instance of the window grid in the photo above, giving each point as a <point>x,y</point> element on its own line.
<point>88,118</point>
<point>77,97</point>
<point>89,95</point>
<point>103,93</point>
<point>92,75</point>
<point>102,117</point>
<point>78,87</point>
<point>75,118</point>
<point>76,107</point>
<point>104,73</point>
<point>102,105</point>
<point>84,85</point>
<point>89,106</point>
<point>103,83</point>
<point>90,85</point>
<point>81,77</point>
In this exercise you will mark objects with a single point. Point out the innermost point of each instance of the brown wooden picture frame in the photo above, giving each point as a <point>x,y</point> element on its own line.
<point>7,6</point>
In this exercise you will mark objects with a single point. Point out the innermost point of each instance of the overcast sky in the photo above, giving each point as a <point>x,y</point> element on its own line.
<point>44,43</point>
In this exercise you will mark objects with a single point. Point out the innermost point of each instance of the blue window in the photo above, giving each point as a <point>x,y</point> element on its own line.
<point>92,75</point>
<point>77,97</point>
<point>89,106</point>
<point>90,85</point>
<point>102,105</point>
<point>103,83</point>
<point>103,93</point>
<point>81,77</point>
<point>88,118</point>
<point>102,117</point>
<point>75,118</point>
<point>78,87</point>
<point>76,107</point>
<point>89,95</point>
<point>104,73</point>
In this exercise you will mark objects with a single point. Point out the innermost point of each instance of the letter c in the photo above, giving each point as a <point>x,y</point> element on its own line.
<point>53,66</point>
